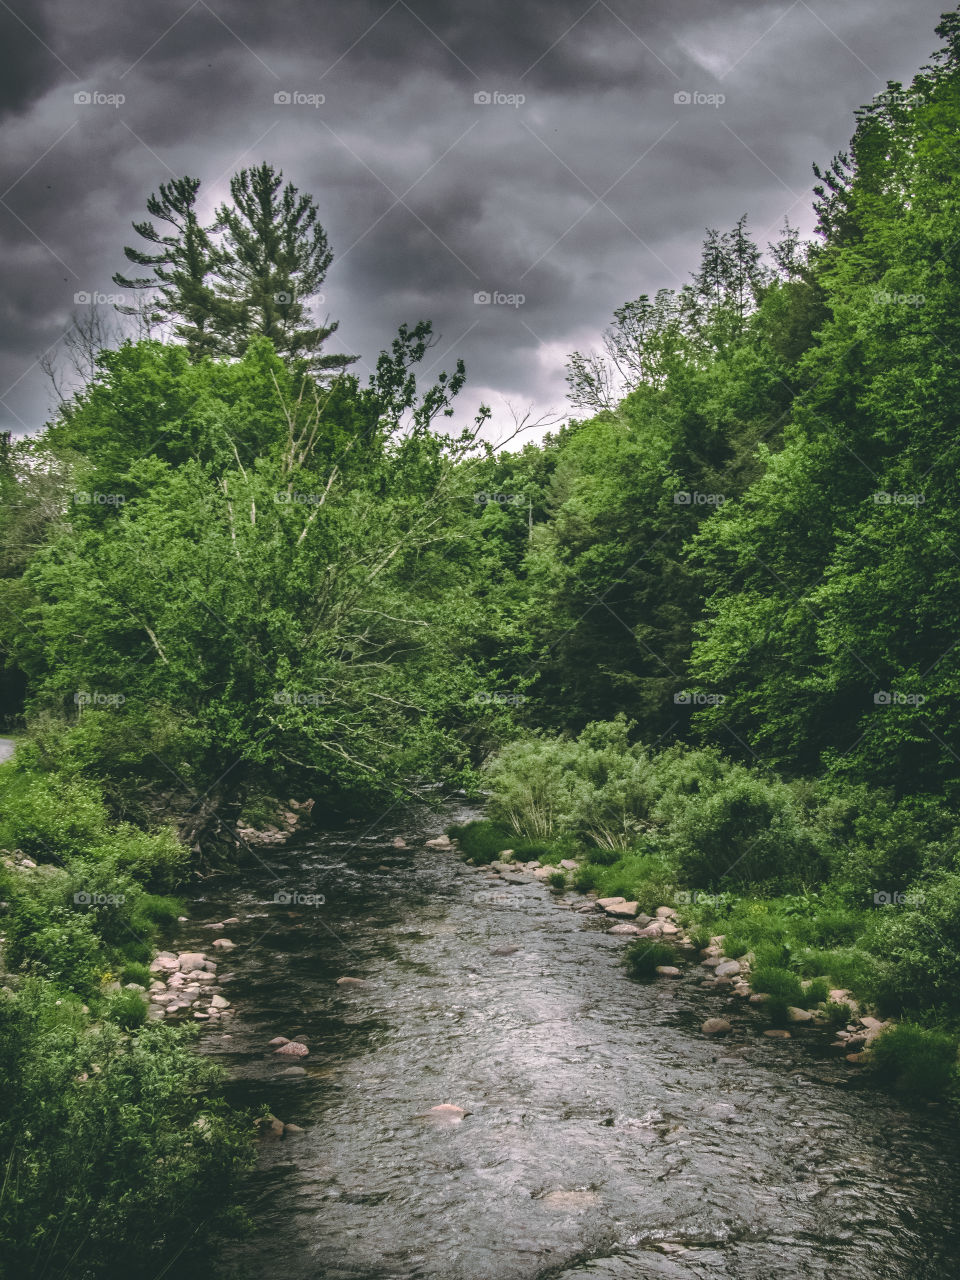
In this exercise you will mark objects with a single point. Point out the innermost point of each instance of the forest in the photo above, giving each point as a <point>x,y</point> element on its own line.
<point>702,638</point>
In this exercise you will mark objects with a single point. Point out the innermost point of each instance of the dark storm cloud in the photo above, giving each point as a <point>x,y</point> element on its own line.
<point>596,188</point>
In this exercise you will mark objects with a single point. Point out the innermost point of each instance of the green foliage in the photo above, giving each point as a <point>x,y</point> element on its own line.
<point>780,984</point>
<point>127,1009</point>
<point>918,1061</point>
<point>919,943</point>
<point>100,1140</point>
<point>557,880</point>
<point>483,841</point>
<point>134,971</point>
<point>838,1013</point>
<point>643,957</point>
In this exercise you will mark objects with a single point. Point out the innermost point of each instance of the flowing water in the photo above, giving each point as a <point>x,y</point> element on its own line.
<point>605,1135</point>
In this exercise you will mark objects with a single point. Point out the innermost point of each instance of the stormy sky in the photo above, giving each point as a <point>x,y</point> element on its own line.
<point>566,152</point>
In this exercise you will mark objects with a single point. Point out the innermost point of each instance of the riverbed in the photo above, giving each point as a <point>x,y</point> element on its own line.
<point>605,1136</point>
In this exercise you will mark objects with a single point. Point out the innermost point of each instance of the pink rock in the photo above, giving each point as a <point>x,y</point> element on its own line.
<point>224,944</point>
<point>293,1049</point>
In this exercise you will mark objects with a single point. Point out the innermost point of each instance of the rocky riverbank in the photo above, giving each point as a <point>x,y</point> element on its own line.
<point>727,974</point>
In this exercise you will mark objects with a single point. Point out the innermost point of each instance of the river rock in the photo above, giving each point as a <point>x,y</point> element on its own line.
<point>270,1127</point>
<point>506,855</point>
<point>760,997</point>
<point>666,913</point>
<point>653,930</point>
<point>799,1015</point>
<point>292,1128</point>
<point>569,864</point>
<point>856,1057</point>
<point>189,960</point>
<point>605,903</point>
<point>445,1113</point>
<point>293,1049</point>
<point>506,950</point>
<point>398,842</point>
<point>232,920</point>
<point>277,1041</point>
<point>711,961</point>
<point>727,968</point>
<point>777,1033</point>
<point>200,1016</point>
<point>642,919</point>
<point>219,1002</point>
<point>587,908</point>
<point>872,1024</point>
<point>351,982</point>
<point>668,971</point>
<point>164,964</point>
<point>715,1027</point>
<point>440,842</point>
<point>292,1071</point>
<point>668,929</point>
<point>224,944</point>
<point>624,928</point>
<point>627,909</point>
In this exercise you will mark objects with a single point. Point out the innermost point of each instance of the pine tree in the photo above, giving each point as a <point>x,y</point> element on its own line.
<point>183,265</point>
<point>276,256</point>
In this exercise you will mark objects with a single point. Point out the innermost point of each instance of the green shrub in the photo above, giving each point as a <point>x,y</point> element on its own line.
<point>108,1173</point>
<point>127,1009</point>
<point>838,1013</point>
<point>482,841</point>
<point>557,880</point>
<point>735,947</point>
<point>133,971</point>
<point>48,816</point>
<point>817,992</point>
<point>919,942</point>
<point>747,830</point>
<point>157,860</point>
<point>915,1059</point>
<point>780,984</point>
<point>643,956</point>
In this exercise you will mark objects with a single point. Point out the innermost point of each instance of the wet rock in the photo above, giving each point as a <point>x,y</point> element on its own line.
<point>569,864</point>
<point>799,1015</point>
<point>398,842</point>
<point>503,951</point>
<point>760,997</point>
<point>219,1002</point>
<point>164,964</point>
<point>270,1127</point>
<point>777,1033</point>
<point>666,913</point>
<point>668,929</point>
<point>727,968</point>
<point>722,1111</point>
<point>277,1041</point>
<point>224,944</point>
<point>351,982</point>
<point>604,903</point>
<point>292,1071</point>
<point>625,909</point>
<point>292,1129</point>
<point>711,961</point>
<point>200,1016</point>
<point>293,1049</point>
<point>715,1027</point>
<point>642,919</point>
<point>653,930</point>
<point>856,1057</point>
<point>624,929</point>
<point>668,971</point>
<point>232,920</point>
<point>872,1024</point>
<point>439,842</point>
<point>444,1113</point>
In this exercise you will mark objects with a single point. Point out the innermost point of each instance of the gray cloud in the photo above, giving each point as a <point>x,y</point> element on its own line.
<point>596,188</point>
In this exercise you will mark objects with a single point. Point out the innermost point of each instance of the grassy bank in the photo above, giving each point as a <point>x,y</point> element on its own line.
<point>119,1156</point>
<point>819,889</point>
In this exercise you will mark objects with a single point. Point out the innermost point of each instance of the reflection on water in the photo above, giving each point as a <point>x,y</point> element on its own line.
<point>603,1135</point>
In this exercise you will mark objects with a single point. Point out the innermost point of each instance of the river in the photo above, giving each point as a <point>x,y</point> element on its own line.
<point>605,1135</point>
